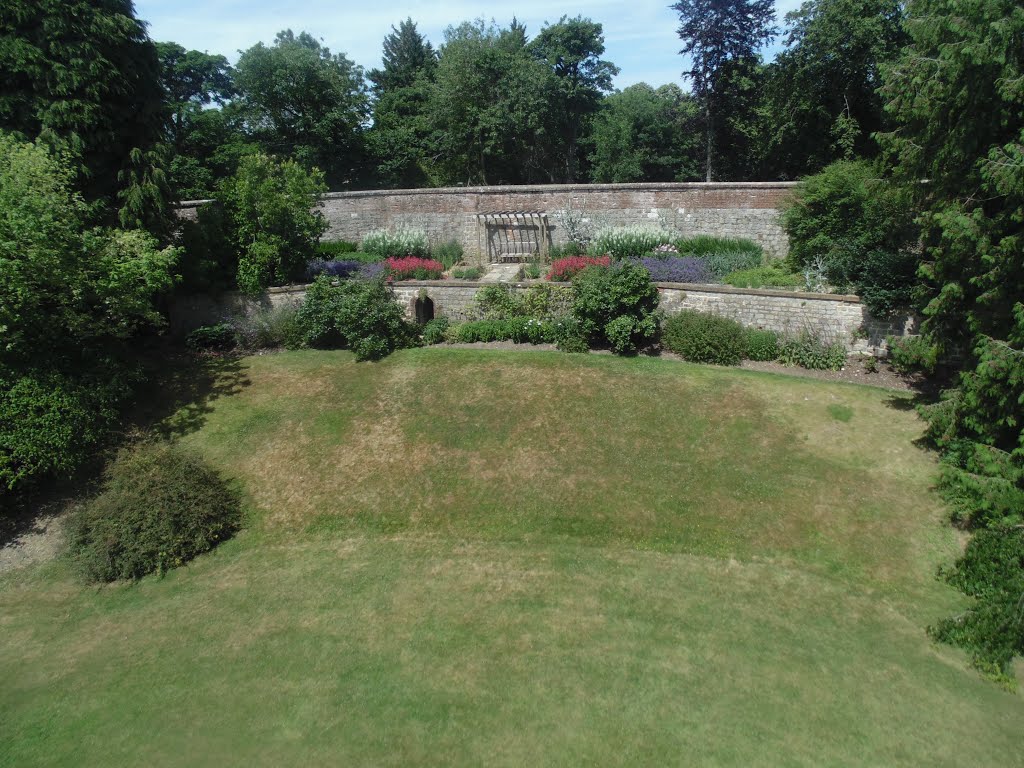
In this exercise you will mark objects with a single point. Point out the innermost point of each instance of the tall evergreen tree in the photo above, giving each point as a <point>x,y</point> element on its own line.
<point>401,90</point>
<point>407,55</point>
<point>720,35</point>
<point>82,76</point>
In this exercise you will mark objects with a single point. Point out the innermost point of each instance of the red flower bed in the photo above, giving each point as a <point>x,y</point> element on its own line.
<point>564,270</point>
<point>413,268</point>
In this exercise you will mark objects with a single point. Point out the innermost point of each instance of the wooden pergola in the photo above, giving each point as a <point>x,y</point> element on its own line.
<point>508,224</point>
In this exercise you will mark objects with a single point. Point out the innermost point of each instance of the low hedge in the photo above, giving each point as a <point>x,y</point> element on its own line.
<point>703,338</point>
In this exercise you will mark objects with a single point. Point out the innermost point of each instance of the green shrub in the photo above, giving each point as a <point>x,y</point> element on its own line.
<point>403,242</point>
<point>771,276</point>
<point>219,336</point>
<point>208,262</point>
<point>50,422</point>
<point>273,207</point>
<point>361,315</point>
<point>496,302</point>
<point>860,227</point>
<point>532,271</point>
<point>268,328</point>
<point>449,253</point>
<point>704,338</point>
<point>521,330</point>
<point>725,262</point>
<point>808,350</point>
<point>761,345</point>
<point>159,508</point>
<point>434,330</point>
<point>630,242</point>
<point>569,335</point>
<point>991,571</point>
<point>469,273</point>
<point>602,296</point>
<point>912,354</point>
<point>556,252</point>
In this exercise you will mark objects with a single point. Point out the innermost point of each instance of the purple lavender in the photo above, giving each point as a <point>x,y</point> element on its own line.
<point>340,269</point>
<point>677,269</point>
<point>371,271</point>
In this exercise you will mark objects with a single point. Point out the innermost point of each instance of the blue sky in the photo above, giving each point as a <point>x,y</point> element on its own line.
<point>640,36</point>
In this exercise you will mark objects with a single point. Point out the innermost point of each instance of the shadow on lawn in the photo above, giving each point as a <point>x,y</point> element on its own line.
<point>182,390</point>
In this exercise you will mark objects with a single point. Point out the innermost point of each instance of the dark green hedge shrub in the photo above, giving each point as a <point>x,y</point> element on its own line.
<point>333,249</point>
<point>434,330</point>
<point>992,571</point>
<point>50,422</point>
<point>772,276</point>
<point>761,345</point>
<point>703,338</point>
<point>361,315</point>
<point>220,336</point>
<point>160,507</point>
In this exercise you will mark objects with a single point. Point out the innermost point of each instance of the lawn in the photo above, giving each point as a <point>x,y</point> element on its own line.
<point>464,557</point>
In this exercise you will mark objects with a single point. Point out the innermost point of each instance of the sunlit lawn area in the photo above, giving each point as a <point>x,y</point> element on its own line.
<point>484,558</point>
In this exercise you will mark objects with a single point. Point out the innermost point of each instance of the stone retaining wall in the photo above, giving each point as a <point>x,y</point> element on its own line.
<point>834,317</point>
<point>474,215</point>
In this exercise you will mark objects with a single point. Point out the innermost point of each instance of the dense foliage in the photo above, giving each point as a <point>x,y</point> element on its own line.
<point>859,229</point>
<point>71,295</point>
<point>159,508</point>
<point>358,314</point>
<point>274,213</point>
<point>82,77</point>
<point>957,96</point>
<point>704,338</point>
<point>616,306</point>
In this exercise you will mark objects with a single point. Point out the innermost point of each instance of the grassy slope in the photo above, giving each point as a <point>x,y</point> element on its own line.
<point>462,557</point>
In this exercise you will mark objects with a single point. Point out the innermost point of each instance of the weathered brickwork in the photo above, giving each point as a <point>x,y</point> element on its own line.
<point>832,317</point>
<point>748,210</point>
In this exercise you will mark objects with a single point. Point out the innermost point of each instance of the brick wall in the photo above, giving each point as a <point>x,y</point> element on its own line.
<point>840,318</point>
<point>748,210</point>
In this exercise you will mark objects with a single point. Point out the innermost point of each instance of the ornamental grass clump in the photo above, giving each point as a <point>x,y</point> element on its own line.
<point>160,507</point>
<point>413,268</point>
<point>403,242</point>
<point>630,242</point>
<point>564,270</point>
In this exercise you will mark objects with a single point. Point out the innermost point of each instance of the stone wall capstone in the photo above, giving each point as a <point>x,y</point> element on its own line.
<point>748,209</point>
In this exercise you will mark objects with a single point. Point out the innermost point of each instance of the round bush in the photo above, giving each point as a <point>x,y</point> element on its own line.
<point>704,338</point>
<point>160,507</point>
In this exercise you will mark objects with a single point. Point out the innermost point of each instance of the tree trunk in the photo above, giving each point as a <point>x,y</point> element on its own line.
<point>571,160</point>
<point>708,138</point>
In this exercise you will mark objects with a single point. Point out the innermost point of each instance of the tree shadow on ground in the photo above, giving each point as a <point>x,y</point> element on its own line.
<point>181,391</point>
